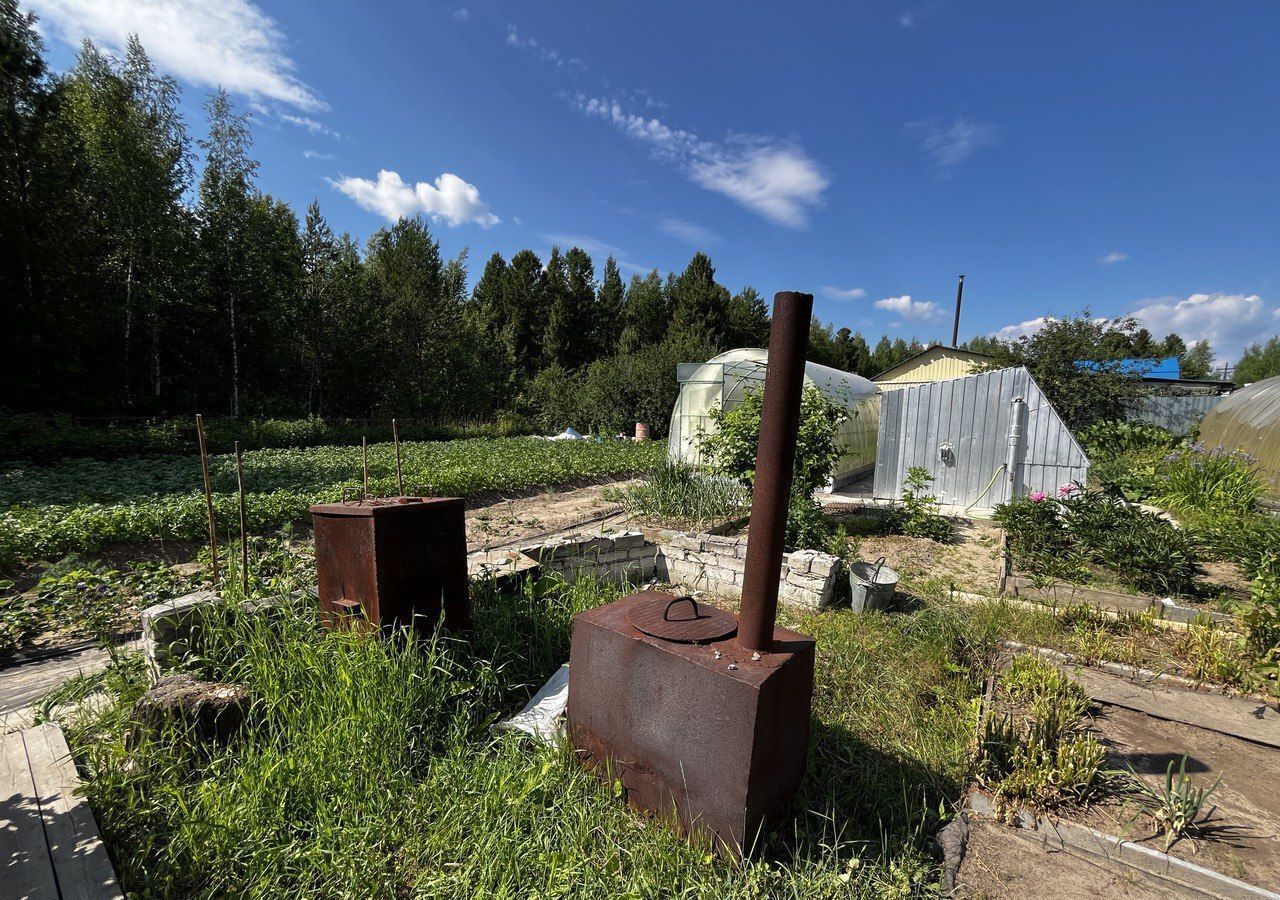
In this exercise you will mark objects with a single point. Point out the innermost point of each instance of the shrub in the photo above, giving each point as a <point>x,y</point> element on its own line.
<point>1055,536</point>
<point>806,528</point>
<point>920,515</point>
<point>733,444</point>
<point>1261,618</point>
<point>1127,456</point>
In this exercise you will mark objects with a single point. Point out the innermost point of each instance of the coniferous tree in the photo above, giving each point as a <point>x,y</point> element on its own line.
<point>646,313</point>
<point>524,311</point>
<point>698,302</point>
<point>609,309</point>
<point>746,320</point>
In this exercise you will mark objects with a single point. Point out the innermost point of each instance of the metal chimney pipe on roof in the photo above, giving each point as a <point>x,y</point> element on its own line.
<point>955,328</point>
<point>775,464</point>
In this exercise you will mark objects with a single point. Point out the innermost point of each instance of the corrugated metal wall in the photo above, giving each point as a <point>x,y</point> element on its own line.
<point>936,364</point>
<point>1178,414</point>
<point>974,416</point>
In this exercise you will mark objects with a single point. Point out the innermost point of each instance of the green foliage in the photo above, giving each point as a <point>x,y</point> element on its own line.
<point>1056,537</point>
<point>1082,394</point>
<point>733,443</point>
<point>684,498</point>
<point>85,599</point>
<point>1213,481</point>
<point>1259,361</point>
<point>1040,752</point>
<point>1115,438</point>
<point>1176,806</point>
<point>806,527</point>
<point>80,505</point>
<point>1127,456</point>
<point>920,516</point>
<point>1261,619</point>
<point>385,746</point>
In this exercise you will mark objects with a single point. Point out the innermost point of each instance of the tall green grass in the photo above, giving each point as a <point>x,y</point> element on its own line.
<point>677,495</point>
<point>368,768</point>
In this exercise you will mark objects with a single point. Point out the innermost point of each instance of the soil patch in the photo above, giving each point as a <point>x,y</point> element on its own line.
<point>971,563</point>
<point>1241,837</point>
<point>1000,864</point>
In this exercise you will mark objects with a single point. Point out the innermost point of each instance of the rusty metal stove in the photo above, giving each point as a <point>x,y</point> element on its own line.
<point>700,716</point>
<point>395,560</point>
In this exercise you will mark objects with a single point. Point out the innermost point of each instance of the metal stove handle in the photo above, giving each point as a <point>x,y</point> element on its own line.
<point>666,613</point>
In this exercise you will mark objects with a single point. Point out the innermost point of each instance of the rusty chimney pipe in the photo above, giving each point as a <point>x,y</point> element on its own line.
<point>775,463</point>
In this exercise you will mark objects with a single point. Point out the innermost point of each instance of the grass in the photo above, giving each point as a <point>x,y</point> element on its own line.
<point>78,505</point>
<point>368,769</point>
<point>676,495</point>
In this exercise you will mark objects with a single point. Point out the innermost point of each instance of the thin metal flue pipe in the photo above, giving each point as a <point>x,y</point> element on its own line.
<point>775,464</point>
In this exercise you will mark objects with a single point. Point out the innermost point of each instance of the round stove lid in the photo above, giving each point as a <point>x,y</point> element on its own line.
<point>680,619</point>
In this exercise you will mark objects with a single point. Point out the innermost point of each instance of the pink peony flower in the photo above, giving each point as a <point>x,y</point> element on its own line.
<point>1038,496</point>
<point>1067,489</point>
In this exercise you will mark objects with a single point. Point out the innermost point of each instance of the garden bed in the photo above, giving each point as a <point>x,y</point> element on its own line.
<point>1097,810</point>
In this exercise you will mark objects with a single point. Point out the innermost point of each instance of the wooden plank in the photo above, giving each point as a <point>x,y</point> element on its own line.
<point>1240,717</point>
<point>79,857</point>
<point>28,872</point>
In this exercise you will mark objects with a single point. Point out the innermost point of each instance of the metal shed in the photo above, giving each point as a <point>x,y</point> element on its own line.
<point>984,439</point>
<point>1177,414</point>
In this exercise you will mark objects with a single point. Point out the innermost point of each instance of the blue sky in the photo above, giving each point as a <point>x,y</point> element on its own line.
<point>1119,155</point>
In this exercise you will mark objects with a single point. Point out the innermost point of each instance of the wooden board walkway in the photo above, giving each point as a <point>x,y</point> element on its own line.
<point>50,848</point>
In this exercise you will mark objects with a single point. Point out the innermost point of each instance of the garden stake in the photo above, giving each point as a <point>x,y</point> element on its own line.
<point>395,436</point>
<point>364,464</point>
<point>244,527</point>
<point>208,498</point>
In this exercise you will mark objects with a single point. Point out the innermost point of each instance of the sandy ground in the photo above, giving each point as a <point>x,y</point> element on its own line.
<point>1240,836</point>
<point>972,563</point>
<point>999,863</point>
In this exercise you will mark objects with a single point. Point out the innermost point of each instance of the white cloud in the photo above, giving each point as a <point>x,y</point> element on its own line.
<point>462,14</point>
<point>911,310</point>
<point>690,232</point>
<point>314,154</point>
<point>774,178</point>
<point>449,198</point>
<point>522,41</point>
<point>948,145</point>
<point>1022,329</point>
<point>1110,259</point>
<point>312,125</point>
<point>838,293</point>
<point>1227,321</point>
<point>231,43</point>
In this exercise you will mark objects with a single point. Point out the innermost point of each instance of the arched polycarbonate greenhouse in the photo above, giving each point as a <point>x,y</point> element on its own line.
<point>724,380</point>
<point>1249,420</point>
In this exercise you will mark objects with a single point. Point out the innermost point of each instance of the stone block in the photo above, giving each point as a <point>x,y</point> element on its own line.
<point>167,627</point>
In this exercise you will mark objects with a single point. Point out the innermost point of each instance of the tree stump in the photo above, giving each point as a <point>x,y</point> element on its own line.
<point>214,710</point>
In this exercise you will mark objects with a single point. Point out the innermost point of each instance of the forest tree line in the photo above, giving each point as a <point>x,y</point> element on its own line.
<point>147,273</point>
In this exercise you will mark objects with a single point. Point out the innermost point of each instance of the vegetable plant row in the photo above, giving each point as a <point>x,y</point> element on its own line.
<point>80,505</point>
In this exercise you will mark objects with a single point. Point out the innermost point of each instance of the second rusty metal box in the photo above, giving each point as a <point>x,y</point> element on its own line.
<point>395,560</point>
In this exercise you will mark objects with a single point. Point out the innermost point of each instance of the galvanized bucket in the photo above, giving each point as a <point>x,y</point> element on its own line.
<point>871,585</point>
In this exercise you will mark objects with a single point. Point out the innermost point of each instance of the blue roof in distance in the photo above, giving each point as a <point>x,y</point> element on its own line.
<point>1167,369</point>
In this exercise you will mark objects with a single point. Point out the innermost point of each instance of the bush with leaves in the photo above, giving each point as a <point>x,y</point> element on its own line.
<point>732,443</point>
<point>1055,536</point>
<point>1261,618</point>
<point>920,509</point>
<point>1127,456</point>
